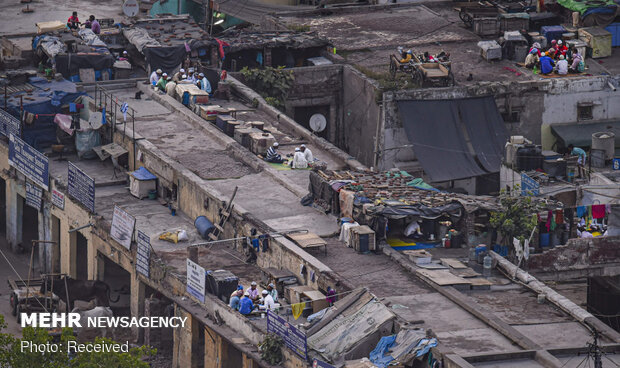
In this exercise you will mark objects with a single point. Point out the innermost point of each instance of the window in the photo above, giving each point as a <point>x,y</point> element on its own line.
<point>584,111</point>
<point>512,117</point>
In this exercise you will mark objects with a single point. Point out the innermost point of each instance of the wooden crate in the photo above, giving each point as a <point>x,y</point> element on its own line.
<point>358,233</point>
<point>486,26</point>
<point>598,39</point>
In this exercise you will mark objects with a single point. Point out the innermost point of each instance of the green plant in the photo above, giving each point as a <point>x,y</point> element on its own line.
<point>517,218</point>
<point>271,349</point>
<point>272,84</point>
<point>13,355</point>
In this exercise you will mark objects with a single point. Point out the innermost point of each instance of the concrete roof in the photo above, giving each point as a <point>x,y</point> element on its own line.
<point>367,36</point>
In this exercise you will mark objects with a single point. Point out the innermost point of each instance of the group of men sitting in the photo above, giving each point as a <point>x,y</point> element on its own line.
<point>74,23</point>
<point>559,59</point>
<point>247,301</point>
<point>302,157</point>
<point>165,83</point>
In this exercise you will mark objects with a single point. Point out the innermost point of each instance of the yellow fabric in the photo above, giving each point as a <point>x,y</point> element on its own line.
<point>298,309</point>
<point>406,59</point>
<point>397,242</point>
<point>171,237</point>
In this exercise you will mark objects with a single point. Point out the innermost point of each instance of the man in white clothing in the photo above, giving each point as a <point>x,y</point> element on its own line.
<point>562,65</point>
<point>307,153</point>
<point>299,160</point>
<point>155,76</point>
<point>268,301</point>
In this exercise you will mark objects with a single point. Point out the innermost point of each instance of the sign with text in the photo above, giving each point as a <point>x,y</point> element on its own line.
<point>293,338</point>
<point>529,186</point>
<point>33,196</point>
<point>29,162</point>
<point>58,199</point>
<point>81,187</point>
<point>616,163</point>
<point>319,364</point>
<point>143,255</point>
<point>122,227</point>
<point>196,276</point>
<point>9,124</point>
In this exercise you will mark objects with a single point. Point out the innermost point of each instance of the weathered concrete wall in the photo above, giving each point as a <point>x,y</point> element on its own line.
<point>361,115</point>
<point>538,103</point>
<point>317,86</point>
<point>580,257</point>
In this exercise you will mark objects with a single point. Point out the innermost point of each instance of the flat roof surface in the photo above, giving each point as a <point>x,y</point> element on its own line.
<point>367,37</point>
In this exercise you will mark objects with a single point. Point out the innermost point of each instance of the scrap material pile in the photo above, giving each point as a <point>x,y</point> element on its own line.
<point>365,196</point>
<point>243,40</point>
<point>166,42</point>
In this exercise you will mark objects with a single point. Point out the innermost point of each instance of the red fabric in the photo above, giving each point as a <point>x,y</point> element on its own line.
<point>548,223</point>
<point>221,45</point>
<point>73,19</point>
<point>559,216</point>
<point>598,211</point>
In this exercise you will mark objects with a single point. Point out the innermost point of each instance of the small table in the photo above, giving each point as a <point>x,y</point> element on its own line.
<point>308,240</point>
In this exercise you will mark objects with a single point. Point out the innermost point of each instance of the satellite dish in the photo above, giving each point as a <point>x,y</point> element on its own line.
<point>318,123</point>
<point>131,8</point>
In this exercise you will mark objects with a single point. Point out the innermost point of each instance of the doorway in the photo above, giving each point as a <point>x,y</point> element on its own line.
<point>81,256</point>
<point>30,231</point>
<point>119,281</point>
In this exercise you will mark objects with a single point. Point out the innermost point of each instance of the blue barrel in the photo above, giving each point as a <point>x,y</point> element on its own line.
<point>544,239</point>
<point>204,226</point>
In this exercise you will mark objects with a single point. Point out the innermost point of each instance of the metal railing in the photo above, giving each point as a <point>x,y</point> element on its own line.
<point>104,99</point>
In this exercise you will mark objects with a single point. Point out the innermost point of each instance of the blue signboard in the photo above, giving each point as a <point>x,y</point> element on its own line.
<point>29,161</point>
<point>616,165</point>
<point>319,364</point>
<point>143,256</point>
<point>529,186</point>
<point>9,124</point>
<point>293,338</point>
<point>33,196</point>
<point>81,187</point>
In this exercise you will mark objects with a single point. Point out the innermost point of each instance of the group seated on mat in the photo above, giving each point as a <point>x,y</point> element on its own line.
<point>558,59</point>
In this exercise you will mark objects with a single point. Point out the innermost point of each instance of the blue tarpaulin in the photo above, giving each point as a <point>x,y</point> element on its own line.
<point>45,101</point>
<point>378,356</point>
<point>401,347</point>
<point>143,174</point>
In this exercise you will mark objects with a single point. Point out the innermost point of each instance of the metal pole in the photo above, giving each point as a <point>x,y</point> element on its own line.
<point>5,98</point>
<point>21,115</point>
<point>133,135</point>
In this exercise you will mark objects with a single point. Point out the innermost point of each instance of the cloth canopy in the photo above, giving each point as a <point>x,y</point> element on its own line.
<point>395,210</point>
<point>580,134</point>
<point>165,58</point>
<point>455,139</point>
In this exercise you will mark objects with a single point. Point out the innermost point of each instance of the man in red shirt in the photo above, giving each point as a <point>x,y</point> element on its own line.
<point>561,49</point>
<point>73,22</point>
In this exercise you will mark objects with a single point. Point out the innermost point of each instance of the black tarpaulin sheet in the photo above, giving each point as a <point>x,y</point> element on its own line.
<point>69,64</point>
<point>580,134</point>
<point>165,58</point>
<point>453,209</point>
<point>455,139</point>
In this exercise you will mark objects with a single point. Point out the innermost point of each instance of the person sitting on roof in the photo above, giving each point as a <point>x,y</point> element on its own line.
<point>204,83</point>
<point>560,48</point>
<point>246,306</point>
<point>299,160</point>
<point>577,64</point>
<point>191,75</point>
<point>271,288</point>
<point>406,56</point>
<point>178,76</point>
<point>170,87</point>
<point>93,24</point>
<point>253,291</point>
<point>546,63</point>
<point>235,297</point>
<point>532,58</point>
<point>73,22</point>
<point>413,230</point>
<point>273,155</point>
<point>536,46</point>
<point>561,66</point>
<point>161,83</point>
<point>307,153</point>
<point>268,302</point>
<point>124,56</point>
<point>155,77</point>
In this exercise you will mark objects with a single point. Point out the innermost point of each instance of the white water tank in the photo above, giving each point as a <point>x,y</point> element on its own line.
<point>605,141</point>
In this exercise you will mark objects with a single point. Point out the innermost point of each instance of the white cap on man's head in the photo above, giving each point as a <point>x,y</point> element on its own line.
<point>184,76</point>
<point>182,70</point>
<point>158,71</point>
<point>247,293</point>
<point>201,75</point>
<point>297,149</point>
<point>265,292</point>
<point>276,144</point>
<point>124,52</point>
<point>303,145</point>
<point>253,283</point>
<point>165,74</point>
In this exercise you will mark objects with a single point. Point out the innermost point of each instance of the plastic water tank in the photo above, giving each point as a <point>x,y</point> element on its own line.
<point>605,141</point>
<point>204,226</point>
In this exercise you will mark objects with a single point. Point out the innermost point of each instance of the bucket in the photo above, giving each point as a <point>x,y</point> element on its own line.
<point>204,226</point>
<point>544,239</point>
<point>152,194</point>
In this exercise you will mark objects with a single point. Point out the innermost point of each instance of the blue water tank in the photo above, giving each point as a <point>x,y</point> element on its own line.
<point>204,226</point>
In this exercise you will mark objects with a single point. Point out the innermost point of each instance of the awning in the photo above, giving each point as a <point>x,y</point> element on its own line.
<point>580,134</point>
<point>455,139</point>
